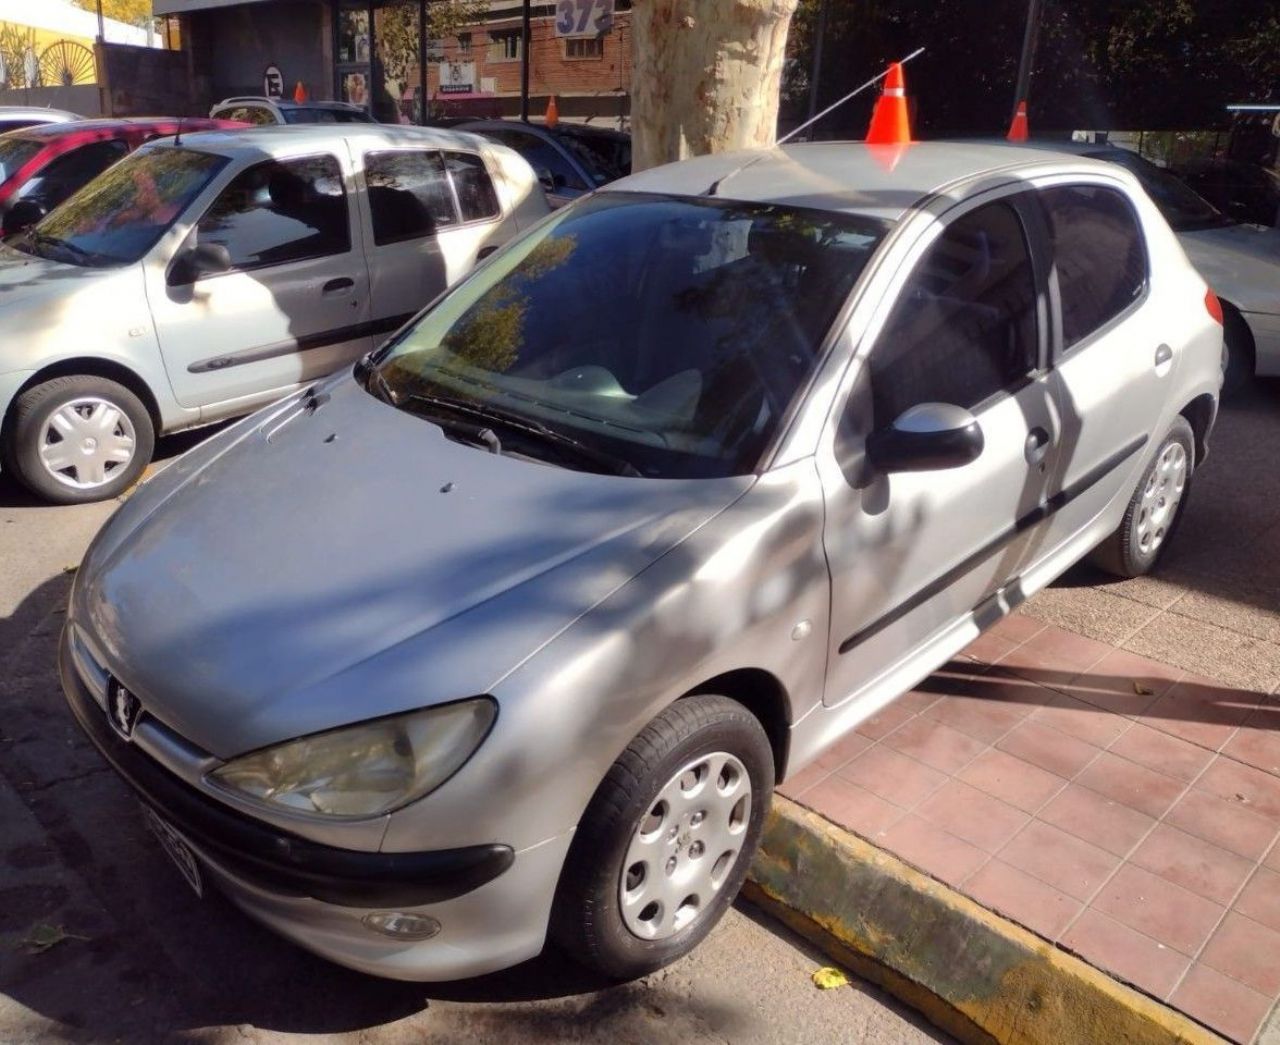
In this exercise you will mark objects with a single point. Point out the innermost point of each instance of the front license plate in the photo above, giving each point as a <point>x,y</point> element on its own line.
<point>179,852</point>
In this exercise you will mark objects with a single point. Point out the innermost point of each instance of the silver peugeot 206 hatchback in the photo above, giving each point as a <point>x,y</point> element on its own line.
<point>510,631</point>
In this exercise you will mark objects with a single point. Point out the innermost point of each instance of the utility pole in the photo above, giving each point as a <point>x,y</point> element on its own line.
<point>816,76</point>
<point>524,62</point>
<point>1034,8</point>
<point>102,25</point>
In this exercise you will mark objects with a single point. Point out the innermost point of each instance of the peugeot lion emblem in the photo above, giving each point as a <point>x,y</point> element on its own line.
<point>124,710</point>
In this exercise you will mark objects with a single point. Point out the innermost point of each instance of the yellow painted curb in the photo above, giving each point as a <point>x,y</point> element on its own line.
<point>971,972</point>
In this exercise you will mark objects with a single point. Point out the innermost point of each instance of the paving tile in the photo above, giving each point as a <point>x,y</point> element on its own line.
<point>1257,742</point>
<point>976,817</point>
<point>1090,612</point>
<point>891,716</point>
<point>1054,656</point>
<point>935,744</point>
<point>1135,958</point>
<point>798,783</point>
<point>1012,780</point>
<point>1124,682</point>
<point>1049,749</point>
<point>850,806</point>
<point>1157,908</point>
<point>1246,951</point>
<point>1260,899</point>
<point>1025,899</point>
<point>1206,649</point>
<point>1166,754</point>
<point>1203,713</point>
<point>1160,590</point>
<point>1273,859</point>
<point>1229,1007</point>
<point>1083,721</point>
<point>1234,604</point>
<point>979,717</point>
<point>847,747</point>
<point>938,852</point>
<point>1069,864</point>
<point>1225,824</point>
<point>1136,786</point>
<point>1096,819</point>
<point>892,776</point>
<point>1236,782</point>
<point>1192,863</point>
<point>989,647</point>
<point>1016,627</point>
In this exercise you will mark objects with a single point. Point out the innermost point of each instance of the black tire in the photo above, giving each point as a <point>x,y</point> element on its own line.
<point>587,921</point>
<point>1123,554</point>
<point>1241,362</point>
<point>31,416</point>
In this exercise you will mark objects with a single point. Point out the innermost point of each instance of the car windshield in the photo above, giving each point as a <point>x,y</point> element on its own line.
<point>323,115</point>
<point>1183,208</point>
<point>605,156</point>
<point>14,155</point>
<point>121,214</point>
<point>665,336</point>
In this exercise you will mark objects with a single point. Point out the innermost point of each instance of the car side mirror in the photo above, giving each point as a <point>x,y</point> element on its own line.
<point>926,438</point>
<point>21,216</point>
<point>194,263</point>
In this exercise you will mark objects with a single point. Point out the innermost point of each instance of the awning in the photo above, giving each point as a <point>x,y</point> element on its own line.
<point>181,7</point>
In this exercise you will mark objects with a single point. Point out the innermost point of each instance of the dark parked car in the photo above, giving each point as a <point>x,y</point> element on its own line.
<point>1246,192</point>
<point>42,166</point>
<point>570,159</point>
<point>269,111</point>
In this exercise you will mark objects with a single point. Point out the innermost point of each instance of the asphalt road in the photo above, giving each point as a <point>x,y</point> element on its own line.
<point>138,958</point>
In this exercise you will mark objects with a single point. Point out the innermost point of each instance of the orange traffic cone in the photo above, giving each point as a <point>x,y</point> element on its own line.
<point>1018,129</point>
<point>300,93</point>
<point>553,112</point>
<point>891,122</point>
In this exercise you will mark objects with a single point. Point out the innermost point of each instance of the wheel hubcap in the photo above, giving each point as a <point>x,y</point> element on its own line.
<point>685,846</point>
<point>1161,497</point>
<point>86,443</point>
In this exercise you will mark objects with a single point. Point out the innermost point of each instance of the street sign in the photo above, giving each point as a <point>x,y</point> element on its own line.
<point>457,77</point>
<point>583,18</point>
<point>273,82</point>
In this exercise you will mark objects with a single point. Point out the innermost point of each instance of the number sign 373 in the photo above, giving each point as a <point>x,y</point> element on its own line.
<point>583,17</point>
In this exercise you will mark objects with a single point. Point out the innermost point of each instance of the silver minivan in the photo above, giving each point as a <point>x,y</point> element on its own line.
<point>206,275</point>
<point>509,631</point>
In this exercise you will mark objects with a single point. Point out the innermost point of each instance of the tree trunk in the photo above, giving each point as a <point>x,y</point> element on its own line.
<point>707,76</point>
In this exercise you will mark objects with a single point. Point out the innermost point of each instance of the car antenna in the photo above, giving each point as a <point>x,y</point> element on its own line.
<point>714,188</point>
<point>177,138</point>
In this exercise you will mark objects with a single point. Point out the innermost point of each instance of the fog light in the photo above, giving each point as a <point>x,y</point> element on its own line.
<point>401,925</point>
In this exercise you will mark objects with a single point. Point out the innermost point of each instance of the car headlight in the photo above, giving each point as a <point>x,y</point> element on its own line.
<point>363,770</point>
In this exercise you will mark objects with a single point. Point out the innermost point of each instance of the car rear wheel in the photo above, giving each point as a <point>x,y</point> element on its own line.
<point>1154,510</point>
<point>79,438</point>
<point>667,839</point>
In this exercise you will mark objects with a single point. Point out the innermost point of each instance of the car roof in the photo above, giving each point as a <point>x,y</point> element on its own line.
<point>583,130</point>
<point>883,181</point>
<point>323,135</point>
<point>105,128</point>
<point>285,103</point>
<point>36,112</point>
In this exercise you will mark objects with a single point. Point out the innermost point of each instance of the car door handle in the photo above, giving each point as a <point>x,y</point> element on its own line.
<point>1037,445</point>
<point>1164,355</point>
<point>335,286</point>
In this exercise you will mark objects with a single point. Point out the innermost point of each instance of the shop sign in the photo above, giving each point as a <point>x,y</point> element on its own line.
<point>583,18</point>
<point>457,77</point>
<point>273,82</point>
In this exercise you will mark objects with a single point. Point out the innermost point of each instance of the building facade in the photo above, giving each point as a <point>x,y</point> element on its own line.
<point>408,61</point>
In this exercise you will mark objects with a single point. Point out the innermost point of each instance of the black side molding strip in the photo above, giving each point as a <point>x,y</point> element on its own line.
<point>1034,517</point>
<point>301,344</point>
<point>277,860</point>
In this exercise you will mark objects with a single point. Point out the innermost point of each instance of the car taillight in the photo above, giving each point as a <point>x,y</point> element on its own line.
<point>1214,306</point>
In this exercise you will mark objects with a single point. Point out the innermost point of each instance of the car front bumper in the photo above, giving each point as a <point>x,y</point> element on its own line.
<point>492,904</point>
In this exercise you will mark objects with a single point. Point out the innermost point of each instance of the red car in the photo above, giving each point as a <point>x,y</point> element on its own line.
<point>42,166</point>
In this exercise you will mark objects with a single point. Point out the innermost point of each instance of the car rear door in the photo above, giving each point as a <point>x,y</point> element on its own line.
<point>913,553</point>
<point>1114,361</point>
<point>295,303</point>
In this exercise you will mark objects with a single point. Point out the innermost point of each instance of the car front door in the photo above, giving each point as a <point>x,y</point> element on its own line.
<point>293,304</point>
<point>1114,360</point>
<point>913,553</point>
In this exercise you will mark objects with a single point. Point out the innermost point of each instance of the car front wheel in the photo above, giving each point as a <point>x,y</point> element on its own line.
<point>79,438</point>
<point>667,839</point>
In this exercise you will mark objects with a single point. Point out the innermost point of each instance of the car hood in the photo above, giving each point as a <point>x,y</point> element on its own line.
<point>24,277</point>
<point>1240,262</point>
<point>244,593</point>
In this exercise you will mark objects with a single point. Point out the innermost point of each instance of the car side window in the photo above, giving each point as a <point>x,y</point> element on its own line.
<point>964,326</point>
<point>1099,254</point>
<point>280,211</point>
<point>477,197</point>
<point>72,171</point>
<point>542,155</point>
<point>409,195</point>
<point>255,114</point>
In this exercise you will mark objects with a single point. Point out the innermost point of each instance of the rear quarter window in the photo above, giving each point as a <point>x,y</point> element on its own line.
<point>1100,255</point>
<point>477,198</point>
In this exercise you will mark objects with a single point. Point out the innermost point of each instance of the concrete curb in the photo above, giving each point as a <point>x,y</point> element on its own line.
<point>971,972</point>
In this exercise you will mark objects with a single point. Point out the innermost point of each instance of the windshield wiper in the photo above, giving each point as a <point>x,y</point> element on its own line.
<point>61,244</point>
<point>526,426</point>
